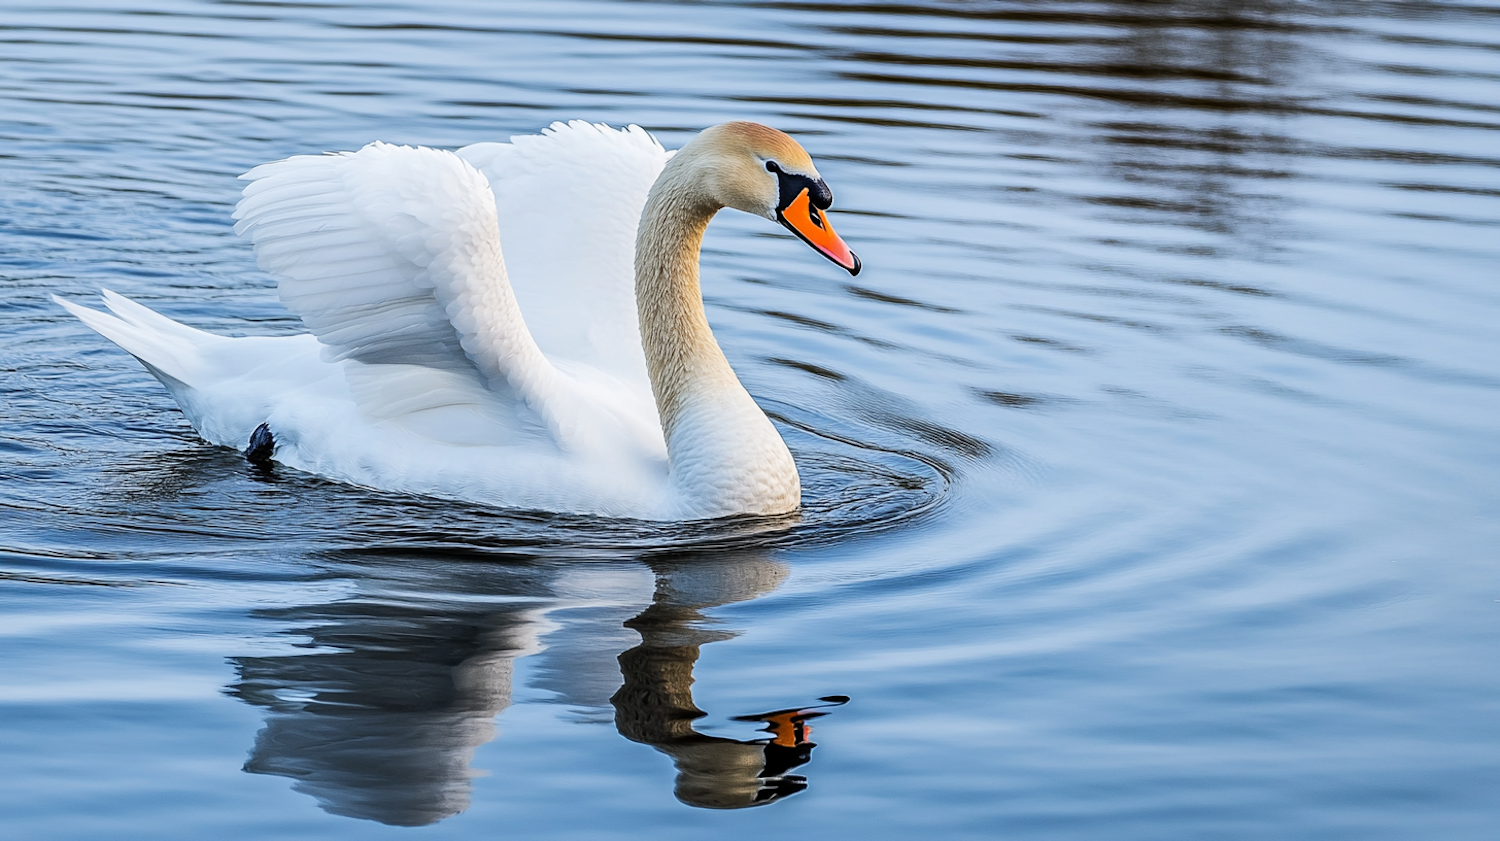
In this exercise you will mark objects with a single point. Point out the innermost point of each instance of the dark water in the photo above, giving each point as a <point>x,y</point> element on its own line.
<point>1152,469</point>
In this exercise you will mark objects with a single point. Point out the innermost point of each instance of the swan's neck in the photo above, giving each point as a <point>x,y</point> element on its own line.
<point>725,456</point>
<point>681,354</point>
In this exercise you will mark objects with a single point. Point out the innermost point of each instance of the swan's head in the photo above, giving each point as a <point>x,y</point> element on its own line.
<point>764,172</point>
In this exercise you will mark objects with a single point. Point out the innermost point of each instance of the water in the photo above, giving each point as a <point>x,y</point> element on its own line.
<point>1150,465</point>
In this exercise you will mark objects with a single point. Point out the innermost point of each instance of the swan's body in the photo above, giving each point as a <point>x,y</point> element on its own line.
<point>577,373</point>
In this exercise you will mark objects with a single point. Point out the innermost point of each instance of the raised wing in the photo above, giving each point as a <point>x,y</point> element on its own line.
<point>568,204</point>
<point>391,256</point>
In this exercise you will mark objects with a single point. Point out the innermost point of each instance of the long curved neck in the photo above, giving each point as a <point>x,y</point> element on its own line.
<point>682,356</point>
<point>725,457</point>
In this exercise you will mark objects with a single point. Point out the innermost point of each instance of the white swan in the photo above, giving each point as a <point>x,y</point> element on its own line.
<point>577,374</point>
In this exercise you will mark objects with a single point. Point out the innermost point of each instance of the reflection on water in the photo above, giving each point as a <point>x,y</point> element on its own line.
<point>401,684</point>
<point>1197,150</point>
<point>655,704</point>
<point>383,720</point>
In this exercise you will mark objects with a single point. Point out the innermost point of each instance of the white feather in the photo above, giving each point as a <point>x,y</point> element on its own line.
<point>423,375</point>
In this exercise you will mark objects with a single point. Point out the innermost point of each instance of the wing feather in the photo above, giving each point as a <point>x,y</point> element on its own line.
<point>568,204</point>
<point>391,256</point>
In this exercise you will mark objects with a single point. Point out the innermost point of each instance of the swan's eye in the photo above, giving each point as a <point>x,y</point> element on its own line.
<point>772,166</point>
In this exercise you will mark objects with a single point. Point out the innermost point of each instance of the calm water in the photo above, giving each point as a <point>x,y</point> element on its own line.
<point>1152,469</point>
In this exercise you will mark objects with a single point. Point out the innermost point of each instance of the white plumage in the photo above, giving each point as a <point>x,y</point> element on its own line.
<point>437,366</point>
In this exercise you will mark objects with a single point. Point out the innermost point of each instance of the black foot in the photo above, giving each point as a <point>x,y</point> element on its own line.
<point>261,446</point>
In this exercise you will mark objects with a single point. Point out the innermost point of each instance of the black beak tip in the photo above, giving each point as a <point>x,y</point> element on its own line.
<point>854,270</point>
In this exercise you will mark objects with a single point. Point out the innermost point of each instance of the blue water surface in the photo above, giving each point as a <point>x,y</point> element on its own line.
<point>1151,466</point>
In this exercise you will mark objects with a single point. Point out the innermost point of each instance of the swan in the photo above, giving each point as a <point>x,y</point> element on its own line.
<point>577,373</point>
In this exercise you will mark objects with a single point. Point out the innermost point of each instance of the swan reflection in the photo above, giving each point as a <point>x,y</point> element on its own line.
<point>403,679</point>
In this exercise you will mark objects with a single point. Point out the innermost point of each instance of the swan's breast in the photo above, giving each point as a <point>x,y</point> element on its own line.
<point>727,458</point>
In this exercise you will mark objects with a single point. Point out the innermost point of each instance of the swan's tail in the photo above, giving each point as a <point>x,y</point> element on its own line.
<point>168,349</point>
<point>225,386</point>
<point>189,362</point>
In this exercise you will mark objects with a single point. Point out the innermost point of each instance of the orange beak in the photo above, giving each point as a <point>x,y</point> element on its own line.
<point>812,226</point>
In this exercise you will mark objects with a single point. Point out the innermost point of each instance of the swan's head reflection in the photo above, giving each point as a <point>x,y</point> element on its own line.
<point>403,676</point>
<point>655,704</point>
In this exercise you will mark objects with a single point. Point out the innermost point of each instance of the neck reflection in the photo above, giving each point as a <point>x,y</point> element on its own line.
<point>655,705</point>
